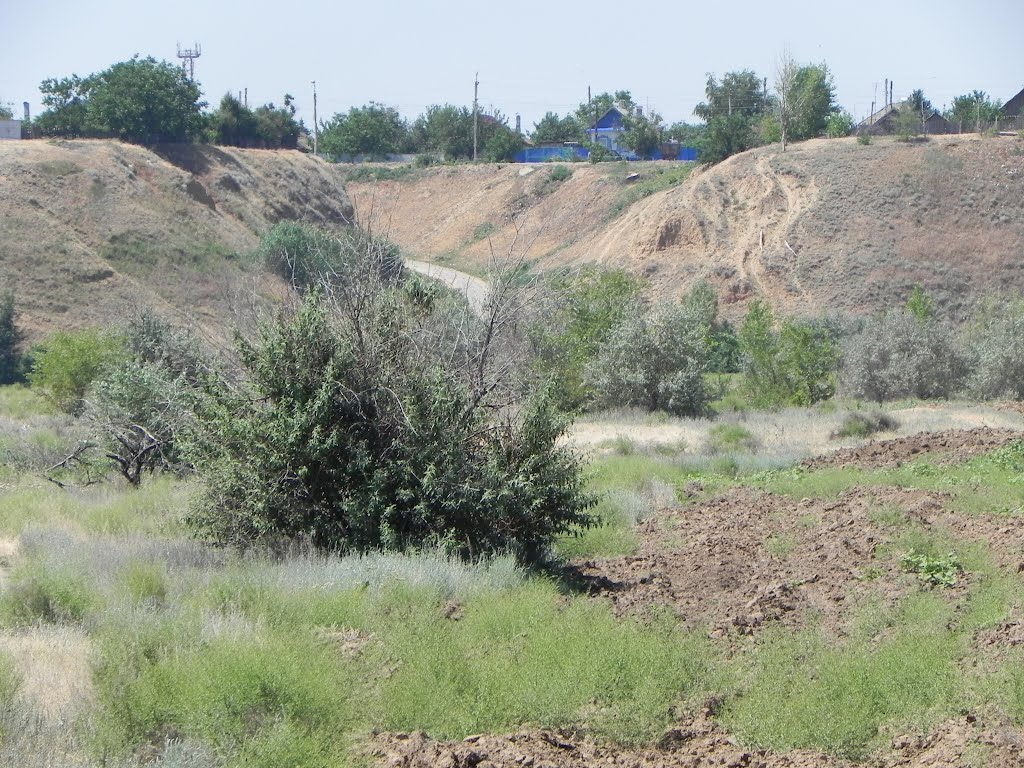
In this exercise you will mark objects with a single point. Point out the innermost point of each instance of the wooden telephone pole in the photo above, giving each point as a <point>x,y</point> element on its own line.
<point>476,89</point>
<point>316,128</point>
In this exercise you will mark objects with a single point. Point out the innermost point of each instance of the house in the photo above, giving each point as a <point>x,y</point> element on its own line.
<point>607,131</point>
<point>884,122</point>
<point>1015,106</point>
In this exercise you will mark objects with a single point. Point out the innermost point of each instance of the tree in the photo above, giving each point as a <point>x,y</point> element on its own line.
<point>65,100</point>
<point>502,144</point>
<point>447,129</point>
<point>805,99</point>
<point>232,124</point>
<point>67,363</point>
<point>553,129</point>
<point>920,104</point>
<point>974,109</point>
<point>642,133</point>
<point>839,124</point>
<point>6,113</point>
<point>276,127</point>
<point>732,109</point>
<point>10,339</point>
<point>588,112</point>
<point>585,308</point>
<point>373,129</point>
<point>384,418</point>
<point>791,365</point>
<point>143,101</point>
<point>688,134</point>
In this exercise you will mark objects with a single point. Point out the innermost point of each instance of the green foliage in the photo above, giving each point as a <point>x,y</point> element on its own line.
<point>973,110</point>
<point>374,130</point>
<point>529,658</point>
<point>920,304</point>
<point>366,440</point>
<point>688,134</point>
<point>995,340</point>
<point>733,108</point>
<point>306,255</point>
<point>502,145</point>
<point>792,365</point>
<point>588,307</point>
<point>864,139</point>
<point>655,360</point>
<point>861,425</point>
<point>67,363</point>
<point>589,112</point>
<point>234,124</point>
<point>41,591</point>
<point>553,129</point>
<point>10,340</point>
<point>560,173</point>
<point>641,133</point>
<point>840,123</point>
<point>728,438</point>
<point>899,355</point>
<point>140,100</point>
<point>935,571</point>
<point>908,124</point>
<point>808,692</point>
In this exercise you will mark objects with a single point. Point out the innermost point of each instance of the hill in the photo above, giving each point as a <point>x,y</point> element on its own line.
<point>92,228</point>
<point>829,224</point>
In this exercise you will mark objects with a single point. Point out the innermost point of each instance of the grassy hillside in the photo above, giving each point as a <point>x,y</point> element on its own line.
<point>827,224</point>
<point>89,228</point>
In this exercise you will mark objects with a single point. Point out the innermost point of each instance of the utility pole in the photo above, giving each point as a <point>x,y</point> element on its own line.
<point>316,127</point>
<point>476,91</point>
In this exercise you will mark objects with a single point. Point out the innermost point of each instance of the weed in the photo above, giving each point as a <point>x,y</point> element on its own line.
<point>862,425</point>
<point>888,516</point>
<point>936,571</point>
<point>780,546</point>
<point>621,445</point>
<point>726,438</point>
<point>864,139</point>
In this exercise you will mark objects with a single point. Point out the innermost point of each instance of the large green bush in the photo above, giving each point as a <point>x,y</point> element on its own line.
<point>66,364</point>
<point>996,344</point>
<point>10,338</point>
<point>655,360</point>
<point>365,419</point>
<point>903,355</point>
<point>792,364</point>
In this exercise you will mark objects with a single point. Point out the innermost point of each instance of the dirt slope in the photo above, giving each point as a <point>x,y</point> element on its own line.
<point>827,225</point>
<point>91,228</point>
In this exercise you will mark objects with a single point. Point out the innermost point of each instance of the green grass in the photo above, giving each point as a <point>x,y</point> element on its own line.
<point>527,659</point>
<point>805,691</point>
<point>650,182</point>
<point>20,403</point>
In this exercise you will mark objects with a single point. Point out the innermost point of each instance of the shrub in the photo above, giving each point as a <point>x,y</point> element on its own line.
<point>10,339</point>
<point>861,425</point>
<point>584,311</point>
<point>997,352</point>
<point>351,431</point>
<point>655,360</point>
<point>66,364</point>
<point>935,571</point>
<point>726,438</point>
<point>899,355</point>
<point>306,255</point>
<point>793,365</point>
<point>560,173</point>
<point>864,138</point>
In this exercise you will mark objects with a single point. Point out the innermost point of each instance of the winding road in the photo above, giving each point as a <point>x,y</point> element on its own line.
<point>473,288</point>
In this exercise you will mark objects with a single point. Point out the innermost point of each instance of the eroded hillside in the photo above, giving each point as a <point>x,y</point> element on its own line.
<point>827,225</point>
<point>90,229</point>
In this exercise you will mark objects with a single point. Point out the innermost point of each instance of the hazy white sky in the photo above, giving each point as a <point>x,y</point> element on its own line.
<point>532,56</point>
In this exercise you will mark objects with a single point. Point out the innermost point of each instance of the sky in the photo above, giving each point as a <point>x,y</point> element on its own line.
<point>532,56</point>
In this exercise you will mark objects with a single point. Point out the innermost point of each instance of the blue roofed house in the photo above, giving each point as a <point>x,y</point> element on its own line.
<point>608,130</point>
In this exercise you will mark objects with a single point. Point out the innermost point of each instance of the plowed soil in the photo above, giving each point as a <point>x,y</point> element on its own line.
<point>745,560</point>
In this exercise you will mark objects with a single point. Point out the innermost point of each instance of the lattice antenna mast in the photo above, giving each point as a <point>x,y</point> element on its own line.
<point>188,58</point>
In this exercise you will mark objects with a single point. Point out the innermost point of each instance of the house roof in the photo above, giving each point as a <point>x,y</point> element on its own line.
<point>881,114</point>
<point>1014,106</point>
<point>610,120</point>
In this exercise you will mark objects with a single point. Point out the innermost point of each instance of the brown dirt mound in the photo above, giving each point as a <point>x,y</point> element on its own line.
<point>952,446</point>
<point>748,558</point>
<point>692,743</point>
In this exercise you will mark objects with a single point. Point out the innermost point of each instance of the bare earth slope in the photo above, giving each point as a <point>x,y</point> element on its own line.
<point>827,225</point>
<point>90,228</point>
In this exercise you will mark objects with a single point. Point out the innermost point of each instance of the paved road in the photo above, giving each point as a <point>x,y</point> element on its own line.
<point>473,288</point>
